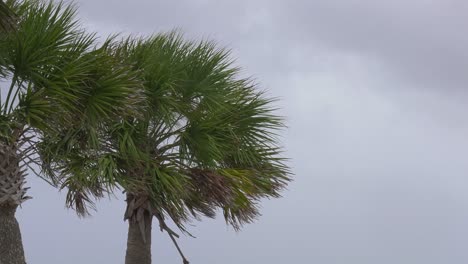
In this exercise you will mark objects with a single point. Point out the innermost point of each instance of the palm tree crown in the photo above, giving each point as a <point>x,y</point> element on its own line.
<point>206,140</point>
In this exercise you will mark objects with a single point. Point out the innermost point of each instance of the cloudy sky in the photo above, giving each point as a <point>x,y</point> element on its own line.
<point>374,93</point>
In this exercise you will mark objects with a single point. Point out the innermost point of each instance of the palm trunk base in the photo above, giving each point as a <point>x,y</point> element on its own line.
<point>11,245</point>
<point>139,250</point>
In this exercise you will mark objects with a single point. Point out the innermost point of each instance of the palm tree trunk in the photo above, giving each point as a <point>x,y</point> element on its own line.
<point>12,194</point>
<point>11,245</point>
<point>139,235</point>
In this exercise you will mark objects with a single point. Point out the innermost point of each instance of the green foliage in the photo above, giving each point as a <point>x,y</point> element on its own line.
<point>56,65</point>
<point>207,140</point>
<point>167,120</point>
<point>63,89</point>
<point>159,117</point>
<point>7,17</point>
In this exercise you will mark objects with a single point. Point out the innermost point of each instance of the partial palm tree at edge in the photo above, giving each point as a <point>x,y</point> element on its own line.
<point>60,85</point>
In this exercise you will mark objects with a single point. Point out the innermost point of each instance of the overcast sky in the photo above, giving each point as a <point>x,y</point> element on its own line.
<point>374,93</point>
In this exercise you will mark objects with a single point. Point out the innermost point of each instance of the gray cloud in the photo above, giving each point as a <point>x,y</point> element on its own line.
<point>373,93</point>
<point>421,40</point>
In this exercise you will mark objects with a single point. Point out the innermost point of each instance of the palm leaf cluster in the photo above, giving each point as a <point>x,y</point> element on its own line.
<point>61,84</point>
<point>206,140</point>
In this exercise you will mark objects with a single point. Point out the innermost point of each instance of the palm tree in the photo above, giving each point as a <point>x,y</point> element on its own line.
<point>61,85</point>
<point>206,142</point>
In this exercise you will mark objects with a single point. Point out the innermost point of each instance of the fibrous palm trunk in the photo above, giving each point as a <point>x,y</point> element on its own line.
<point>12,194</point>
<point>139,230</point>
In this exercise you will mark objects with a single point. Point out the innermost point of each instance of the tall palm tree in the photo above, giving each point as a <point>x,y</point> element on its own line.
<point>59,84</point>
<point>206,142</point>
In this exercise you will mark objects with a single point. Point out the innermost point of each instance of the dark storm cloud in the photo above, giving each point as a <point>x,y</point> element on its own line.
<point>377,135</point>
